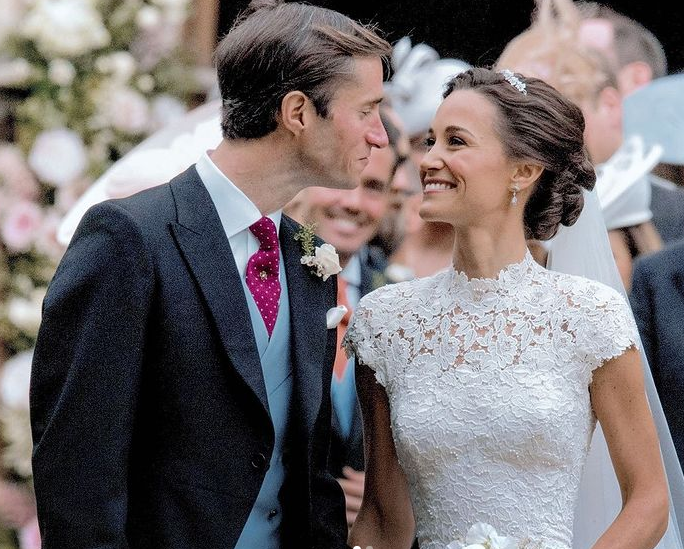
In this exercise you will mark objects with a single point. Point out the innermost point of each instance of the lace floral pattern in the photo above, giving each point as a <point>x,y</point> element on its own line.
<point>488,384</point>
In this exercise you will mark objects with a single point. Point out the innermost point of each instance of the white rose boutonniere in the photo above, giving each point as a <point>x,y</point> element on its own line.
<point>323,260</point>
<point>483,536</point>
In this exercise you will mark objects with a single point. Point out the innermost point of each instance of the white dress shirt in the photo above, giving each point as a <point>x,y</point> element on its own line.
<point>236,211</point>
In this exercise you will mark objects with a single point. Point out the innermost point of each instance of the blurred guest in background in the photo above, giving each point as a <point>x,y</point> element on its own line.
<point>392,229</point>
<point>635,53</point>
<point>549,49</point>
<point>415,91</point>
<point>637,57</point>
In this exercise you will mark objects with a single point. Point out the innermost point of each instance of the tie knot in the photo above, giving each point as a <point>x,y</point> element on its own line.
<point>266,233</point>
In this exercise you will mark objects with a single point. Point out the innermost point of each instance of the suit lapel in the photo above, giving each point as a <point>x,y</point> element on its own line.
<point>202,241</point>
<point>308,326</point>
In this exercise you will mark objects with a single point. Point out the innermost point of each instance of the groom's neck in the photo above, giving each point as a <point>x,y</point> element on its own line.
<point>261,168</point>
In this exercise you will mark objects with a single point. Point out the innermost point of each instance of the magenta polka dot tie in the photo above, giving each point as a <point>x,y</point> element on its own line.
<point>263,272</point>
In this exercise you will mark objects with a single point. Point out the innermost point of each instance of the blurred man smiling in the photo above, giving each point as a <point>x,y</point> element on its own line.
<point>349,219</point>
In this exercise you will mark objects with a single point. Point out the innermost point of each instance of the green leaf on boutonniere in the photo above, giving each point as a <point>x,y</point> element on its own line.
<point>306,238</point>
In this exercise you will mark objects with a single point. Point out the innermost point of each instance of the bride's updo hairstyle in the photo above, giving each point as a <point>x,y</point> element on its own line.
<point>536,123</point>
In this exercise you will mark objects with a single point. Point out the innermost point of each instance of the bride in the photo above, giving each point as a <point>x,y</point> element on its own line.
<point>491,376</point>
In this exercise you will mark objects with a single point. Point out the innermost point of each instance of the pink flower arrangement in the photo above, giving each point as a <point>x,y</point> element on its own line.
<point>15,174</point>
<point>21,225</point>
<point>29,535</point>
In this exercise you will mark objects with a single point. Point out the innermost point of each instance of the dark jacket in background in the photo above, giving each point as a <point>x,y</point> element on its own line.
<point>657,300</point>
<point>667,205</point>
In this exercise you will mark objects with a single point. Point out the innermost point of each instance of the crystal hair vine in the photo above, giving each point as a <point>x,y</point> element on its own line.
<point>514,81</point>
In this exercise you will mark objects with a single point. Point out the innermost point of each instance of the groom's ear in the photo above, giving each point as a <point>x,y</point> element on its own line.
<point>295,109</point>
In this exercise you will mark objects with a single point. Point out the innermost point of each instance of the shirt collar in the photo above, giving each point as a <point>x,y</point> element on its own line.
<point>236,211</point>
<point>352,271</point>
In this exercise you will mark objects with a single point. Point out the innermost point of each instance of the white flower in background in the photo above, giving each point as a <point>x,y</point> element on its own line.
<point>46,240</point>
<point>145,83</point>
<point>175,11</point>
<point>100,143</point>
<point>61,72</point>
<point>16,431</point>
<point>148,17</point>
<point>121,65</point>
<point>169,4</point>
<point>124,109</point>
<point>156,42</point>
<point>15,379</point>
<point>24,313</point>
<point>23,283</point>
<point>58,156</point>
<point>15,423</point>
<point>65,28</point>
<point>20,226</point>
<point>166,109</point>
<point>15,72</point>
<point>12,13</point>
<point>66,197</point>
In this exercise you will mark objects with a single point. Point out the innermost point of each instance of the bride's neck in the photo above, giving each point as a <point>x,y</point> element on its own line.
<point>482,253</point>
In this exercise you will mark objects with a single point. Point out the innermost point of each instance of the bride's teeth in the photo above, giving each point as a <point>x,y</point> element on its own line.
<point>438,187</point>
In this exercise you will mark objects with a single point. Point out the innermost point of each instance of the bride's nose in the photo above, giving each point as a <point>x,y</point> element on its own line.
<point>431,160</point>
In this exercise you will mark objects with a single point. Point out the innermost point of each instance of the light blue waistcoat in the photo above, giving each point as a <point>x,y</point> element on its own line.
<point>262,529</point>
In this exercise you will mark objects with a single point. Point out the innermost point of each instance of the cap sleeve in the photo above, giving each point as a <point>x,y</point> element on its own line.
<point>363,340</point>
<point>609,328</point>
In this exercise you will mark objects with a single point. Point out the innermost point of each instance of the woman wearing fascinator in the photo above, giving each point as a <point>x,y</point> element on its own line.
<point>554,49</point>
<point>481,386</point>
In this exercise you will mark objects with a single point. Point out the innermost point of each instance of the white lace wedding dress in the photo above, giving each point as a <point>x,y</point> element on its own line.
<point>488,384</point>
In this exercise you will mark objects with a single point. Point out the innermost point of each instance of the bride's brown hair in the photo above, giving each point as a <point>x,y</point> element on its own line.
<point>541,126</point>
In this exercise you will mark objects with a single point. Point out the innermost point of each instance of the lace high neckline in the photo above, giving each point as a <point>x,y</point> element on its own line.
<point>508,278</point>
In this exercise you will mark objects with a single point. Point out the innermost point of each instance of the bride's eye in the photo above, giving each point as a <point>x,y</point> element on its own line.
<point>456,141</point>
<point>429,142</point>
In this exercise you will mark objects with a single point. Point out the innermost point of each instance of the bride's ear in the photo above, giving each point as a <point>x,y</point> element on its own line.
<point>525,174</point>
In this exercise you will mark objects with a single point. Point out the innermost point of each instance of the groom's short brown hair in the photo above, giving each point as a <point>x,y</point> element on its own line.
<point>275,48</point>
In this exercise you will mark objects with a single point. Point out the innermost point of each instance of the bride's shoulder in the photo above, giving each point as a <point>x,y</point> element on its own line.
<point>582,292</point>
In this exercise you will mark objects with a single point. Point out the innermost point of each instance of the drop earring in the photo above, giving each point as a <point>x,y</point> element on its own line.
<point>514,199</point>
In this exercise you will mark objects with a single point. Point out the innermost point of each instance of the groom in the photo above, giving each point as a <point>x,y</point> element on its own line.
<point>180,385</point>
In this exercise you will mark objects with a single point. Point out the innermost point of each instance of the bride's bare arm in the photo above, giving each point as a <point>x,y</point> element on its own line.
<point>619,400</point>
<point>385,520</point>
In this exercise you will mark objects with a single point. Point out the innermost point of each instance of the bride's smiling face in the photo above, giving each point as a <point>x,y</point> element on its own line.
<point>465,173</point>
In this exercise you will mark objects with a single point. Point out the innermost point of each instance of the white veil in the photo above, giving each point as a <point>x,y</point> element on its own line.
<point>584,249</point>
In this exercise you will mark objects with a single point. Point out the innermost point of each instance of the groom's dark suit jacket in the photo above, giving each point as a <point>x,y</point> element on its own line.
<point>149,413</point>
<point>348,450</point>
